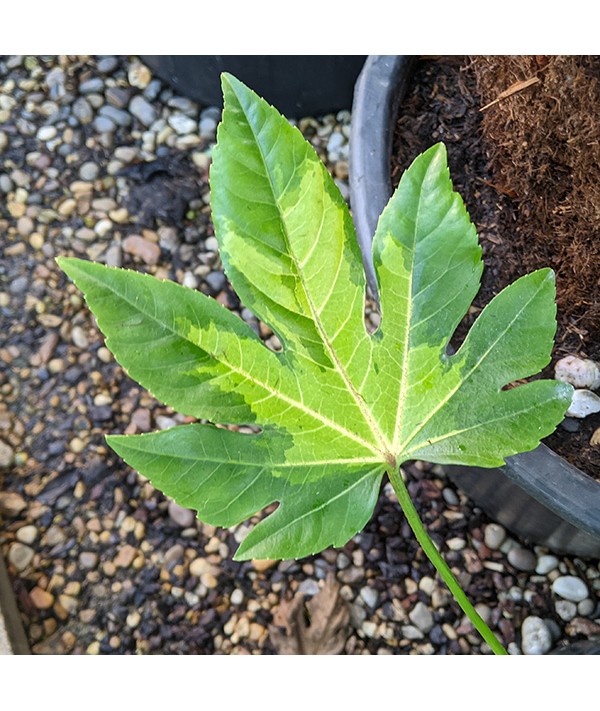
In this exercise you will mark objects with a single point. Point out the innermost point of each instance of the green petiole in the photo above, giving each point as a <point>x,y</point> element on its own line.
<point>439,563</point>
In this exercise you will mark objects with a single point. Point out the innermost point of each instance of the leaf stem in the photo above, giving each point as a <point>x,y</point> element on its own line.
<point>439,563</point>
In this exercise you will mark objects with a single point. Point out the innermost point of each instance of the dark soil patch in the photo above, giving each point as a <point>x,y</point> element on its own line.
<point>442,104</point>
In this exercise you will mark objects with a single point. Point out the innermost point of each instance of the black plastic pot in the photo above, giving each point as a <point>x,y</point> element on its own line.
<point>537,495</point>
<point>297,85</point>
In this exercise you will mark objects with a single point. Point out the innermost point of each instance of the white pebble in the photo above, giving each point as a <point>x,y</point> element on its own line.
<point>570,587</point>
<point>584,403</point>
<point>535,636</point>
<point>46,133</point>
<point>579,372</point>
<point>545,564</point>
<point>237,597</point>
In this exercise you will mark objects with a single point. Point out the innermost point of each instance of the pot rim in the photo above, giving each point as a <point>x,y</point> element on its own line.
<point>563,488</point>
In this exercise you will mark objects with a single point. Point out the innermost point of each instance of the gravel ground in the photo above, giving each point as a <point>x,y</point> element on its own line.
<point>100,160</point>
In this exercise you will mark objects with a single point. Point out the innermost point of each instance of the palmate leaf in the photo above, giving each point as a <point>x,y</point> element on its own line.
<point>337,407</point>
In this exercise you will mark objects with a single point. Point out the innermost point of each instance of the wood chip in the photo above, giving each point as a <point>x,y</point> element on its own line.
<point>512,89</point>
<point>321,626</point>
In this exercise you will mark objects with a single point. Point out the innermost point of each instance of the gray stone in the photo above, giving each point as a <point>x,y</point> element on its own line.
<point>571,588</point>
<point>207,127</point>
<point>165,423</point>
<point>308,587</point>
<point>82,111</point>
<point>118,116</point>
<point>535,636</point>
<point>7,455</point>
<point>103,124</point>
<point>91,86</point>
<point>182,124</point>
<point>126,154</point>
<point>565,609</point>
<point>180,516</point>
<point>370,596</point>
<point>421,617</point>
<point>216,281</point>
<point>19,285</point>
<point>586,607</point>
<point>88,560</point>
<point>213,112</point>
<point>113,257</point>
<point>89,171</point>
<point>522,559</point>
<point>6,184</point>
<point>494,536</point>
<point>168,238</point>
<point>107,65</point>
<point>545,564</point>
<point>152,90</point>
<point>411,632</point>
<point>183,104</point>
<point>583,403</point>
<point>174,554</point>
<point>20,556</point>
<point>144,112</point>
<point>55,80</point>
<point>46,133</point>
<point>118,96</point>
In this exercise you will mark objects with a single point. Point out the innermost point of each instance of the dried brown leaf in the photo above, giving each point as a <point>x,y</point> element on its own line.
<point>319,626</point>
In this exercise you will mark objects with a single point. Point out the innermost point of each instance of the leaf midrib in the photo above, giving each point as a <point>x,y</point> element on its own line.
<point>383,442</point>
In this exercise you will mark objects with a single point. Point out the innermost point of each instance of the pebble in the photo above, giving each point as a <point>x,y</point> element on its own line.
<point>91,86</point>
<point>181,516</point>
<point>182,124</point>
<point>174,554</point>
<point>370,596</point>
<point>133,619</point>
<point>42,599</point>
<point>522,559</point>
<point>236,597</point>
<point>584,403</point>
<point>116,115</point>
<point>207,127</point>
<point>7,455</point>
<point>88,560</point>
<point>20,556</point>
<point>118,96</point>
<point>82,111</point>
<point>148,252</point>
<point>11,503</point>
<point>89,171</point>
<point>125,556</point>
<point>144,112</point>
<point>494,536</point>
<point>3,141</point>
<point>421,617</point>
<point>545,564</point>
<point>107,65</point>
<point>580,372</point>
<point>139,75</point>
<point>308,587</point>
<point>570,587</point>
<point>27,534</point>
<point>102,124</point>
<point>535,636</point>
<point>46,133</point>
<point>103,227</point>
<point>565,609</point>
<point>79,338</point>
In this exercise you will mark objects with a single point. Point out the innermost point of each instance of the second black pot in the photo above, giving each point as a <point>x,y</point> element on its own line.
<point>537,495</point>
